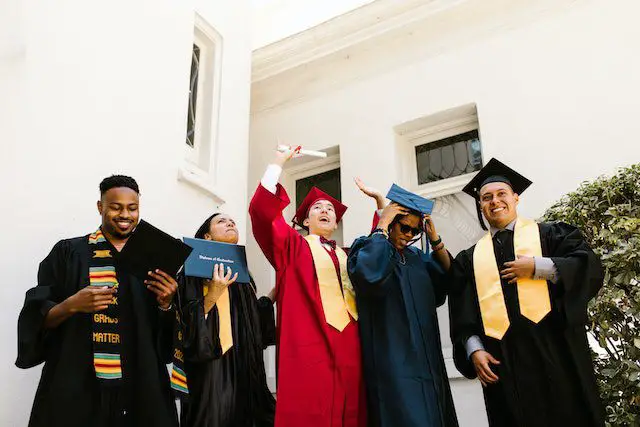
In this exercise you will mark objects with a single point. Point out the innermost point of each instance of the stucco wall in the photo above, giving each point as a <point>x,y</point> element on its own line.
<point>557,98</point>
<point>93,90</point>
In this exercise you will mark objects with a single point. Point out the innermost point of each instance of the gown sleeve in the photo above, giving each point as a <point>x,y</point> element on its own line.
<point>580,272</point>
<point>371,263</point>
<point>439,278</point>
<point>273,234</point>
<point>464,317</point>
<point>33,338</point>
<point>166,323</point>
<point>200,336</point>
<point>266,314</point>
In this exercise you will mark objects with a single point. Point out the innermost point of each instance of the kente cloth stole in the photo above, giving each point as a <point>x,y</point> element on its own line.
<point>179,381</point>
<point>178,375</point>
<point>337,303</point>
<point>105,334</point>
<point>533,295</point>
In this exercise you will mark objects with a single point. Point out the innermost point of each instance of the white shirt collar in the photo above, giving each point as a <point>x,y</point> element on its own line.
<point>509,227</point>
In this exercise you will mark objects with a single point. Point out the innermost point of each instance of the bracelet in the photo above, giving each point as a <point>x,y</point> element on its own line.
<point>435,243</point>
<point>438,247</point>
<point>166,309</point>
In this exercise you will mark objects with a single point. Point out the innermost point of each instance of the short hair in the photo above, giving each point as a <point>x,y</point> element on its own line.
<point>116,181</point>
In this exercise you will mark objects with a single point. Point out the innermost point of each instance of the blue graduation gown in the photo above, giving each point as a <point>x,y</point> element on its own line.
<point>407,384</point>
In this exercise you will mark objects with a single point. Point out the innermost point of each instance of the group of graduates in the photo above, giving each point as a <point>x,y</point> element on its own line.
<point>357,337</point>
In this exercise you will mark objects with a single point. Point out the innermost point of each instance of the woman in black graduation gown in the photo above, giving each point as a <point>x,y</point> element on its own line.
<point>539,374</point>
<point>226,380</point>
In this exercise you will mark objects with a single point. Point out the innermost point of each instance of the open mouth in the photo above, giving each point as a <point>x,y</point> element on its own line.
<point>124,225</point>
<point>497,210</point>
<point>324,219</point>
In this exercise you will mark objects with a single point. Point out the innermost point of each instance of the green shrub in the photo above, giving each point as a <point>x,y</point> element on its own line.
<point>607,211</point>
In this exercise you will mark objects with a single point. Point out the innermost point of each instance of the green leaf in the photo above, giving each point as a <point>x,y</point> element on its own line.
<point>607,210</point>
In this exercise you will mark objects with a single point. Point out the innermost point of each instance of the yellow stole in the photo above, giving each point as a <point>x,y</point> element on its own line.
<point>223,305</point>
<point>533,295</point>
<point>337,304</point>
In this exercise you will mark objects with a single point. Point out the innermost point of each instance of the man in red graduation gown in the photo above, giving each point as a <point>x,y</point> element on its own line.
<point>319,364</point>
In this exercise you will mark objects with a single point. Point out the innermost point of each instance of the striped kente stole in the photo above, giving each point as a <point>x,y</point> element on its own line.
<point>178,375</point>
<point>105,336</point>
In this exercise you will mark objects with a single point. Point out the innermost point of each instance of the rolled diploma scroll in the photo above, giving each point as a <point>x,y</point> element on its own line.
<point>303,152</point>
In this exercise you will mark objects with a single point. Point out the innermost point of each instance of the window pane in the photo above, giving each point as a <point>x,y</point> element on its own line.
<point>449,157</point>
<point>193,95</point>
<point>329,182</point>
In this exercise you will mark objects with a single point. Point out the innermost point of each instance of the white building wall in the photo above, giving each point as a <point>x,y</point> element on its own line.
<point>276,19</point>
<point>557,99</point>
<point>88,90</point>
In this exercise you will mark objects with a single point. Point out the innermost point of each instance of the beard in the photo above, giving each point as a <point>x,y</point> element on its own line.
<point>115,231</point>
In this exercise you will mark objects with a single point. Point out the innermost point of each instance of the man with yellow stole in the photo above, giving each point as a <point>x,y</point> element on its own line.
<point>518,311</point>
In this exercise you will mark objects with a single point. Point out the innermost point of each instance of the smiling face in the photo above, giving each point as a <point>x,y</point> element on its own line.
<point>403,230</point>
<point>119,210</point>
<point>222,229</point>
<point>321,219</point>
<point>498,203</point>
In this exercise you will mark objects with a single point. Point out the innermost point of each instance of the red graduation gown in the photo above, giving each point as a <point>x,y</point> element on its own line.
<point>319,368</point>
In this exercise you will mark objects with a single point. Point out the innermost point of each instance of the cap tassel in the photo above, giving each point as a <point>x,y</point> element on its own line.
<point>480,219</point>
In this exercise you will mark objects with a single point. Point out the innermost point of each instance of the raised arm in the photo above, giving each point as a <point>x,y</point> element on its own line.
<point>199,342</point>
<point>271,231</point>
<point>371,192</point>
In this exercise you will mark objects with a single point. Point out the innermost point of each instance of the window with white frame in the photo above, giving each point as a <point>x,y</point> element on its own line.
<point>441,151</point>
<point>193,96</point>
<point>448,157</point>
<point>204,97</point>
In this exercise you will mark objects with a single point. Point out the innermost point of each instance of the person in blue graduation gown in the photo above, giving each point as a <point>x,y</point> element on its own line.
<point>398,288</point>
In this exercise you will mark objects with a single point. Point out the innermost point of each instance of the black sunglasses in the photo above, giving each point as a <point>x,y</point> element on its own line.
<point>404,228</point>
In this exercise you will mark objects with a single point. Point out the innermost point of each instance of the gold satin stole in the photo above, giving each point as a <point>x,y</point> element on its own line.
<point>337,303</point>
<point>223,304</point>
<point>533,295</point>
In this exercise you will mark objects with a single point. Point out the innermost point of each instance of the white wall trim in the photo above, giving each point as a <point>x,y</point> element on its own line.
<point>444,187</point>
<point>428,129</point>
<point>201,182</point>
<point>379,36</point>
<point>200,162</point>
<point>361,24</point>
<point>315,167</point>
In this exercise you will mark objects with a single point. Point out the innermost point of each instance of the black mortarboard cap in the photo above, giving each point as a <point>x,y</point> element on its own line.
<point>150,248</point>
<point>410,200</point>
<point>495,171</point>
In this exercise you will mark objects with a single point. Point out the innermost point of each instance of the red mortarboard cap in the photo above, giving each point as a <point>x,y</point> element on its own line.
<point>314,195</point>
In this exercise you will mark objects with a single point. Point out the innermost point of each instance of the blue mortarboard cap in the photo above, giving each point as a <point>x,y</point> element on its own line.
<point>409,200</point>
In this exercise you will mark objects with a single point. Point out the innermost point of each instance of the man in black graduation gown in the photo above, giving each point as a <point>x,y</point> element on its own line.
<point>398,288</point>
<point>104,339</point>
<point>518,311</point>
<point>219,371</point>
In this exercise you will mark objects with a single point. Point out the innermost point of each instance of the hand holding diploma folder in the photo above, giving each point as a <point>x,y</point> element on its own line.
<point>206,253</point>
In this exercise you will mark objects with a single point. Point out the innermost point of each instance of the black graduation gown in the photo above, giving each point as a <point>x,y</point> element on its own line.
<point>405,376</point>
<point>69,394</point>
<point>227,390</point>
<point>546,371</point>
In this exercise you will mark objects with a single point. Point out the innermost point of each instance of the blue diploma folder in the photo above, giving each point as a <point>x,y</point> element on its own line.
<point>206,253</point>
